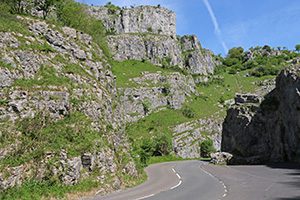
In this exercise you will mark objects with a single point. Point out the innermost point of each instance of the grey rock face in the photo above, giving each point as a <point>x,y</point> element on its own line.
<point>197,60</point>
<point>185,53</point>
<point>246,98</point>
<point>17,174</point>
<point>220,158</point>
<point>188,136</point>
<point>90,90</point>
<point>145,47</point>
<point>269,131</point>
<point>160,91</point>
<point>141,19</point>
<point>149,33</point>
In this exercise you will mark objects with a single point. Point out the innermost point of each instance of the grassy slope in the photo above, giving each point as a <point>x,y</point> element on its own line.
<point>205,105</point>
<point>132,68</point>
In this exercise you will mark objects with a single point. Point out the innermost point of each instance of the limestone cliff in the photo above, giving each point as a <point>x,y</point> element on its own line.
<point>58,95</point>
<point>141,19</point>
<point>266,130</point>
<point>149,33</point>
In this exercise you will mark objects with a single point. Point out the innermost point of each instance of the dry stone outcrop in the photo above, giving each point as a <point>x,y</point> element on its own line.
<point>156,91</point>
<point>140,19</point>
<point>55,74</point>
<point>264,132</point>
<point>188,136</point>
<point>149,33</point>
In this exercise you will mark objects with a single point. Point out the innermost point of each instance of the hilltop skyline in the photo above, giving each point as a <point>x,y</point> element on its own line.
<point>223,25</point>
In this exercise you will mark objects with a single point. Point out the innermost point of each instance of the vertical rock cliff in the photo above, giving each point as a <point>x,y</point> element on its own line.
<point>149,33</point>
<point>267,130</point>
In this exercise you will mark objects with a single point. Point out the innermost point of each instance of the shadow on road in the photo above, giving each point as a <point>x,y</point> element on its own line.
<point>292,170</point>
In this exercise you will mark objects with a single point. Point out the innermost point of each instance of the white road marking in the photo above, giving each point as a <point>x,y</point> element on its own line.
<point>176,185</point>
<point>151,195</point>
<point>144,197</point>
<point>220,181</point>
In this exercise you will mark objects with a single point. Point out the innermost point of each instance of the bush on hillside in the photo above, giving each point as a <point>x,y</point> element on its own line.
<point>72,14</point>
<point>188,112</point>
<point>206,147</point>
<point>162,145</point>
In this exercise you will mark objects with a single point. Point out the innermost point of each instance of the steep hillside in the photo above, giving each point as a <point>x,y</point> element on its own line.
<point>61,122</point>
<point>91,95</point>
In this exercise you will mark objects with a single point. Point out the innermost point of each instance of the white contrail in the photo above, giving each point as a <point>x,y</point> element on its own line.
<point>216,24</point>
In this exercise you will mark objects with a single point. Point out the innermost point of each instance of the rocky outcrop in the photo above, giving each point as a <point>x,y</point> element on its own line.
<point>141,19</point>
<point>156,49</point>
<point>197,59</point>
<point>188,136</point>
<point>149,33</point>
<point>220,158</point>
<point>53,72</point>
<point>268,131</point>
<point>156,91</point>
<point>164,51</point>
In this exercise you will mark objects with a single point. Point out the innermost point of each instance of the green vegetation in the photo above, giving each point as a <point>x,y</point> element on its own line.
<point>46,76</point>
<point>206,148</point>
<point>9,22</point>
<point>297,48</point>
<point>76,69</point>
<point>45,6</point>
<point>45,47</point>
<point>72,14</point>
<point>157,146</point>
<point>41,134</point>
<point>260,61</point>
<point>160,159</point>
<point>126,70</point>
<point>112,9</point>
<point>151,135</point>
<point>5,65</point>
<point>35,190</point>
<point>188,112</point>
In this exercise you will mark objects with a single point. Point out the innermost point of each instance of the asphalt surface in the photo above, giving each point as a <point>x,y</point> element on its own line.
<point>196,180</point>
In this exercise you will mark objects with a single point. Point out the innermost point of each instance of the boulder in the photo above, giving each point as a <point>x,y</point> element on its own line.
<point>220,158</point>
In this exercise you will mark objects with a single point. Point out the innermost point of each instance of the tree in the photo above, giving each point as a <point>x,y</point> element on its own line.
<point>16,6</point>
<point>236,52</point>
<point>207,147</point>
<point>297,47</point>
<point>162,144</point>
<point>44,6</point>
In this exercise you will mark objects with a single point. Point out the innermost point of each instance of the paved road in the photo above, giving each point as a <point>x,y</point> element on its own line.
<point>196,180</point>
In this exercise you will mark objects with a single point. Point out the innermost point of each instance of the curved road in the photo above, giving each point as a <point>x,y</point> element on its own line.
<point>196,180</point>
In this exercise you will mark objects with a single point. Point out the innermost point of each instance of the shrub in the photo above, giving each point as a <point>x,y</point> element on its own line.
<point>207,147</point>
<point>72,14</point>
<point>162,145</point>
<point>146,106</point>
<point>112,9</point>
<point>188,112</point>
<point>146,151</point>
<point>297,47</point>
<point>265,71</point>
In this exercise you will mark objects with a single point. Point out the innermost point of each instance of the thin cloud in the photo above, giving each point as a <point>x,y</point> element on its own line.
<point>216,24</point>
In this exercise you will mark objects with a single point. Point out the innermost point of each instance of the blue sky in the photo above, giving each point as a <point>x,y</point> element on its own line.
<point>223,24</point>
